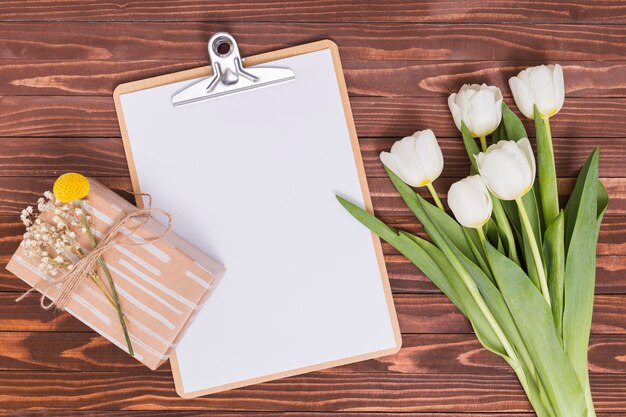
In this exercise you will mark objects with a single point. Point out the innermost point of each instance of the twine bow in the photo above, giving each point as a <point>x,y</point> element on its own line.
<point>71,281</point>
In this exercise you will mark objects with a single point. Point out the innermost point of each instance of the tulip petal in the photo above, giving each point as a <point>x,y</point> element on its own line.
<point>470,201</point>
<point>542,87</point>
<point>455,110</point>
<point>392,162</point>
<point>506,170</point>
<point>527,149</point>
<point>559,87</point>
<point>484,113</point>
<point>522,96</point>
<point>428,154</point>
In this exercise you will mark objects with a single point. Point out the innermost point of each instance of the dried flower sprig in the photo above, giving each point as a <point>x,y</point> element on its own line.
<point>55,244</point>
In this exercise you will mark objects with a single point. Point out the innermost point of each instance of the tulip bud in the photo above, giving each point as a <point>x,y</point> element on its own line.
<point>470,201</point>
<point>542,86</point>
<point>479,106</point>
<point>508,168</point>
<point>416,159</point>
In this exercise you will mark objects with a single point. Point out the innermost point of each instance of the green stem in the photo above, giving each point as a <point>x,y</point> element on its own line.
<point>481,234</point>
<point>534,249</point>
<point>433,192</point>
<point>483,143</point>
<point>503,224</point>
<point>105,268</point>
<point>549,202</point>
<point>482,305</point>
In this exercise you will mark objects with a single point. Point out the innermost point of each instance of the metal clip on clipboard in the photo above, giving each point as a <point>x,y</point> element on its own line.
<point>229,77</point>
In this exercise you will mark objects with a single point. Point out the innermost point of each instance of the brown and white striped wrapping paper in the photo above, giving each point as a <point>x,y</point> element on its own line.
<point>161,284</point>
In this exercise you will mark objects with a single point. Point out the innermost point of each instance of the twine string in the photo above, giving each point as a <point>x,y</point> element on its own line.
<point>71,281</point>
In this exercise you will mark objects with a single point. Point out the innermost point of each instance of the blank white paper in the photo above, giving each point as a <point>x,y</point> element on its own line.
<point>251,179</point>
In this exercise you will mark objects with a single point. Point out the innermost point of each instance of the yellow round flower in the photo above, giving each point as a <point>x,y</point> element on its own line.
<point>71,186</point>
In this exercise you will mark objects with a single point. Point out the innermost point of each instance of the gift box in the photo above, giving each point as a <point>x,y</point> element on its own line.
<point>161,280</point>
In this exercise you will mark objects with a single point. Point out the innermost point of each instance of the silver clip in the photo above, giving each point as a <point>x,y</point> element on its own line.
<point>229,76</point>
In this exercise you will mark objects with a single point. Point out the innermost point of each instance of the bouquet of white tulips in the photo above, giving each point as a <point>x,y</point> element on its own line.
<point>519,267</point>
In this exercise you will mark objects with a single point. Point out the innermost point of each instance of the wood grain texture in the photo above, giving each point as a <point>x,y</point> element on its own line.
<point>60,60</point>
<point>387,202</point>
<point>356,41</point>
<point>417,313</point>
<point>18,192</point>
<point>483,11</point>
<point>405,278</point>
<point>319,392</point>
<point>388,78</point>
<point>49,156</point>
<point>460,354</point>
<point>82,116</point>
<point>198,413</point>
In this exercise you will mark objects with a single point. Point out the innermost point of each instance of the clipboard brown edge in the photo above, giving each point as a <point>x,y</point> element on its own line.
<point>255,60</point>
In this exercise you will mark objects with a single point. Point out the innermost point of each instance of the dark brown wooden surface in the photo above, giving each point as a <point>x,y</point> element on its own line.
<point>61,59</point>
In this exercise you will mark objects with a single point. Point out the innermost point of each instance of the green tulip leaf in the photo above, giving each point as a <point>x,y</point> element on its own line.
<point>554,255</point>
<point>470,145</point>
<point>545,167</point>
<point>581,234</point>
<point>431,261</point>
<point>533,319</point>
<point>512,124</point>
<point>446,223</point>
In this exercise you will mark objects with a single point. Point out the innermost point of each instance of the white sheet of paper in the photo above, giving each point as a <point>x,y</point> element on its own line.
<point>251,180</point>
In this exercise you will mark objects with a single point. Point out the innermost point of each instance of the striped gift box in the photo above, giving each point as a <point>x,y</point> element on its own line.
<point>161,284</point>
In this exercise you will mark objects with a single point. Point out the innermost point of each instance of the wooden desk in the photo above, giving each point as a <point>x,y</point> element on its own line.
<point>60,60</point>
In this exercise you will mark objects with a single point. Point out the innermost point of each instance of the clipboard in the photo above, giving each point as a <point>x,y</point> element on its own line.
<point>305,287</point>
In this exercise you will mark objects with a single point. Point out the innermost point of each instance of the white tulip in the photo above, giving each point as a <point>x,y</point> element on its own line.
<point>542,86</point>
<point>416,159</point>
<point>508,168</point>
<point>470,201</point>
<point>479,106</point>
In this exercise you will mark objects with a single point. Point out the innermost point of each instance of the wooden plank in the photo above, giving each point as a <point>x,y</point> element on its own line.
<point>198,413</point>
<point>435,314</point>
<point>404,277</point>
<point>611,242</point>
<point>319,392</point>
<point>388,78</point>
<point>398,117</point>
<point>418,313</point>
<point>18,192</point>
<point>421,354</point>
<point>82,116</point>
<point>182,413</point>
<point>570,155</point>
<point>488,11</point>
<point>387,201</point>
<point>357,41</point>
<point>48,157</point>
